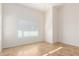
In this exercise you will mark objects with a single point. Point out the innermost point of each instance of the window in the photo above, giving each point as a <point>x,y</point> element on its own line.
<point>19,34</point>
<point>27,28</point>
<point>30,33</point>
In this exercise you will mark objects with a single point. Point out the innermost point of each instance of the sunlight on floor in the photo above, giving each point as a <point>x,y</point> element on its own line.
<point>50,52</point>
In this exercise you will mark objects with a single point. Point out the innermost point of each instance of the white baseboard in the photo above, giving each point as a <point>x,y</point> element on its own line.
<point>71,44</point>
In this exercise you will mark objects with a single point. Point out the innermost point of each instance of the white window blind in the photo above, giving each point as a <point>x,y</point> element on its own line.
<point>27,28</point>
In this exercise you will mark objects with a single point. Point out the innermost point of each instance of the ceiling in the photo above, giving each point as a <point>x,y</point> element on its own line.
<point>40,6</point>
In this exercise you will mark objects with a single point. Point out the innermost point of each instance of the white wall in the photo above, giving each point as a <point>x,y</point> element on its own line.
<point>49,25</point>
<point>13,13</point>
<point>0,26</point>
<point>70,24</point>
<point>65,25</point>
<point>56,23</point>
